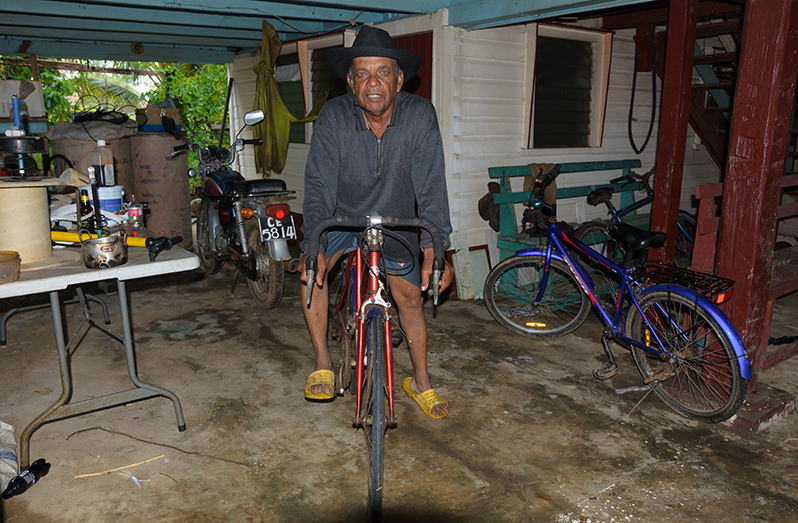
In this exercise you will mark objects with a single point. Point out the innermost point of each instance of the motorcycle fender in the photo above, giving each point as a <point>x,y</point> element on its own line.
<point>214,225</point>
<point>723,321</point>
<point>278,250</point>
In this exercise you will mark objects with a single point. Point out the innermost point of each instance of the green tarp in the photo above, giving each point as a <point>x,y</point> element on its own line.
<point>275,127</point>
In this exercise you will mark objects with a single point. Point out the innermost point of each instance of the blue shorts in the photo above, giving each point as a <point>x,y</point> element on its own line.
<point>346,241</point>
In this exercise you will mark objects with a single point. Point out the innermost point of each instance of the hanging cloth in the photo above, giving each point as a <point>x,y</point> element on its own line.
<point>276,125</point>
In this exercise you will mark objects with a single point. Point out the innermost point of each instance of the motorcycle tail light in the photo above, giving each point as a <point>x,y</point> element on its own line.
<point>278,211</point>
<point>247,213</point>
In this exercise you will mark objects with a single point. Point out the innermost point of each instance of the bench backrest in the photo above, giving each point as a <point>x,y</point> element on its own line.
<point>506,197</point>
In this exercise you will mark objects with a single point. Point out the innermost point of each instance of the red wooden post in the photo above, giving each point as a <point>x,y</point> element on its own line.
<point>673,122</point>
<point>706,233</point>
<point>762,103</point>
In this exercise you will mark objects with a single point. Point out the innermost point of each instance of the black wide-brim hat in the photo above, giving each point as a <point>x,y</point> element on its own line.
<point>372,41</point>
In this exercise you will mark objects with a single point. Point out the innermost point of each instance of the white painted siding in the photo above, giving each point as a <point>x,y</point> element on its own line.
<point>489,119</point>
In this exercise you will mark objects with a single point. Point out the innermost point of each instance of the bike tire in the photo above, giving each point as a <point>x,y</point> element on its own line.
<point>342,329</point>
<point>706,384</point>
<point>376,424</point>
<point>207,257</point>
<point>685,239</point>
<point>512,286</point>
<point>268,289</point>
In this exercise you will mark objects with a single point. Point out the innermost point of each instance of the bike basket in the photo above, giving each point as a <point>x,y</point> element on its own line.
<point>713,287</point>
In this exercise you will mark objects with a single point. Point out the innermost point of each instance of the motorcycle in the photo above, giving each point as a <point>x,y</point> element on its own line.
<point>237,222</point>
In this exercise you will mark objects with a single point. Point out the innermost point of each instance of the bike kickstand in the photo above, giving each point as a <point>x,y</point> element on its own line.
<point>233,286</point>
<point>609,368</point>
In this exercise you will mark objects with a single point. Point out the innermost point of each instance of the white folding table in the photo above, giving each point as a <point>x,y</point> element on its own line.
<point>54,279</point>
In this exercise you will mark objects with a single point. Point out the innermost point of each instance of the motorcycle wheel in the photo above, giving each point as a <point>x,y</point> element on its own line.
<point>268,288</point>
<point>208,262</point>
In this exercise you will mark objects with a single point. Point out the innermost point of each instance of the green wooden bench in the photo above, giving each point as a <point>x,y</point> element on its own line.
<point>507,198</point>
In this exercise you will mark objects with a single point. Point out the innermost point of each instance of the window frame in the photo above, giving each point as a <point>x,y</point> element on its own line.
<point>601,41</point>
<point>304,49</point>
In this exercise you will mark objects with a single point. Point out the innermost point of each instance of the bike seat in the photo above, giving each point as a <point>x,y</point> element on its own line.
<point>600,195</point>
<point>266,187</point>
<point>634,238</point>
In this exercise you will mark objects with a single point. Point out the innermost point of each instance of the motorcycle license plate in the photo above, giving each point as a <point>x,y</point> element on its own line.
<point>274,229</point>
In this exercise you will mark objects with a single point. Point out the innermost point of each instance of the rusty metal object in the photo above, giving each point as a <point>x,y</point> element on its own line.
<point>9,266</point>
<point>105,252</point>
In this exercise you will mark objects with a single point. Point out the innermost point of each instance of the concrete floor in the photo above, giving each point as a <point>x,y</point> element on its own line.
<point>531,436</point>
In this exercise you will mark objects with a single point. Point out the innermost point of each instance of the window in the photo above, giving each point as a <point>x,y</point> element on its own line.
<point>567,84</point>
<point>302,73</point>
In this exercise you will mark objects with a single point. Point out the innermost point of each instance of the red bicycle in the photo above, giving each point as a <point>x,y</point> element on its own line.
<point>361,325</point>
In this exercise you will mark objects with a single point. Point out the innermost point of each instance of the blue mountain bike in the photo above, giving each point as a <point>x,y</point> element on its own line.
<point>685,348</point>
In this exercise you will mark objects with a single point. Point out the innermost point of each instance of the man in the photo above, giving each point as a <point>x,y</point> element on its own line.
<point>376,150</point>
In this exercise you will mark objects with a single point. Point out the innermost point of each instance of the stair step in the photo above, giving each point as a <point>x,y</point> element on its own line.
<point>720,28</point>
<point>716,58</point>
<point>716,85</point>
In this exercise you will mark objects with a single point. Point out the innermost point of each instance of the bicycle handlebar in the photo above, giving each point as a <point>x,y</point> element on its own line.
<point>363,222</point>
<point>634,177</point>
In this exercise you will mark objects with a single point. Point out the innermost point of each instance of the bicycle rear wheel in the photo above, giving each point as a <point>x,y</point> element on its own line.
<point>374,411</point>
<point>513,285</point>
<point>342,327</point>
<point>703,381</point>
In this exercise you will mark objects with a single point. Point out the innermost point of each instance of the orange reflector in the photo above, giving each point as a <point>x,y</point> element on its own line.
<point>723,296</point>
<point>536,325</point>
<point>278,211</point>
<point>246,212</point>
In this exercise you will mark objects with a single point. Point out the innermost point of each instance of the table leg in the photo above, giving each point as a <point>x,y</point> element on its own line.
<point>131,359</point>
<point>61,409</point>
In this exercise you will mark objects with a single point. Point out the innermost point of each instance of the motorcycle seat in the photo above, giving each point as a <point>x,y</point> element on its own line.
<point>267,187</point>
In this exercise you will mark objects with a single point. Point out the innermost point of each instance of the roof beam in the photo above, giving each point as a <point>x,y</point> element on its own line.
<point>479,14</point>
<point>115,51</point>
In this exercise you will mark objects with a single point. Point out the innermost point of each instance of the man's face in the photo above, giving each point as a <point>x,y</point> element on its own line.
<point>375,83</point>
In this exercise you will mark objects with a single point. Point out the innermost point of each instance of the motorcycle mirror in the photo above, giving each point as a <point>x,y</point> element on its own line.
<point>253,117</point>
<point>192,173</point>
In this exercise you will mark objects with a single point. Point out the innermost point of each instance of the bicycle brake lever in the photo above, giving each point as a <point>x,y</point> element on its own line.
<point>436,277</point>
<point>311,282</point>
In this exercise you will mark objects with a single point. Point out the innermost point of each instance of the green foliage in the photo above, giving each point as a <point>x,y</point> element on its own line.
<point>199,92</point>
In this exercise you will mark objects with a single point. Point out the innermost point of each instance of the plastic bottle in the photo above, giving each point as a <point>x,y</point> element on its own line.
<point>26,478</point>
<point>102,159</point>
<point>135,214</point>
<point>8,455</point>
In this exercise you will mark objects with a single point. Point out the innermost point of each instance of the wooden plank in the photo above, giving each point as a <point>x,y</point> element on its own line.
<point>787,210</point>
<point>708,190</point>
<point>708,226</point>
<point>673,123</point>
<point>789,180</point>
<point>565,192</point>
<point>513,171</point>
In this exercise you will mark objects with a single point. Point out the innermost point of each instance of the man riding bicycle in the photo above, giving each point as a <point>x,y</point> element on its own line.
<point>376,150</point>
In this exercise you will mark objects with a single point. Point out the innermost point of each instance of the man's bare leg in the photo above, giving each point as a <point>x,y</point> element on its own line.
<point>316,317</point>
<point>411,315</point>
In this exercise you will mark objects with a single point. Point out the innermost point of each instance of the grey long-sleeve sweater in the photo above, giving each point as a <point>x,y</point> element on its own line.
<point>349,172</point>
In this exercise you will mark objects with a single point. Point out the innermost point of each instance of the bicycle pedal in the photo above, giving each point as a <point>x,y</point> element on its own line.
<point>605,370</point>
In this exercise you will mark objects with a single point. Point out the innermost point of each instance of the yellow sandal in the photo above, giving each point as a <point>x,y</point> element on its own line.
<point>320,377</point>
<point>426,400</point>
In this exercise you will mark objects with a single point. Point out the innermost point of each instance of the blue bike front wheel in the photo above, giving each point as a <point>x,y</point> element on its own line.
<point>513,286</point>
<point>699,376</point>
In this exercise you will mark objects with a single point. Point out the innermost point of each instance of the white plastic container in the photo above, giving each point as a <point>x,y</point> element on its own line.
<point>102,159</point>
<point>9,467</point>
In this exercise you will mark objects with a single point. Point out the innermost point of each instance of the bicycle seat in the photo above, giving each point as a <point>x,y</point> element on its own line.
<point>600,195</point>
<point>634,238</point>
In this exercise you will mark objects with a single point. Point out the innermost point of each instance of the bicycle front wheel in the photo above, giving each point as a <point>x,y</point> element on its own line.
<point>702,379</point>
<point>374,404</point>
<point>513,285</point>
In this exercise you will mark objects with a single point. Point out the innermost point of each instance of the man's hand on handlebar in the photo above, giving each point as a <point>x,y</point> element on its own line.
<point>321,269</point>
<point>426,271</point>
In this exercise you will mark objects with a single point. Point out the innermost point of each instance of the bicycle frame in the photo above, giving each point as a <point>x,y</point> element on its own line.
<point>374,306</point>
<point>556,249</point>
